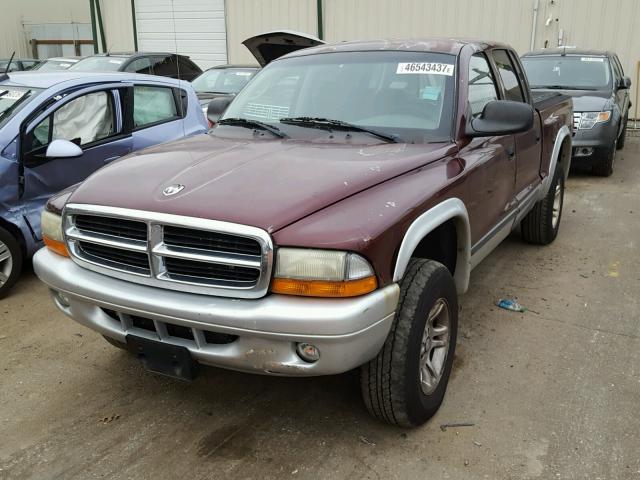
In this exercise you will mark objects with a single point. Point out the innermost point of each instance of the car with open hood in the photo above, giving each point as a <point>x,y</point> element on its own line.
<point>596,82</point>
<point>328,222</point>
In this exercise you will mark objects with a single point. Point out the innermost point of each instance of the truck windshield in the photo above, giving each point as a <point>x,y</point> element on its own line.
<point>570,72</point>
<point>12,99</point>
<point>404,95</point>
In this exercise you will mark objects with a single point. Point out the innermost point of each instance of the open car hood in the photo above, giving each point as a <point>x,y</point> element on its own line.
<point>268,46</point>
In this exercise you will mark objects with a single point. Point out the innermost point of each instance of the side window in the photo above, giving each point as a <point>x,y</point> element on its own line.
<point>140,65</point>
<point>153,105</point>
<point>83,120</point>
<point>187,67</point>
<point>617,62</point>
<point>508,74</point>
<point>482,85</point>
<point>617,69</point>
<point>165,66</point>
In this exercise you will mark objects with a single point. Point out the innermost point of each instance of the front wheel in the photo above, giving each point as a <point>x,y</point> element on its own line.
<point>542,223</point>
<point>405,384</point>
<point>623,134</point>
<point>604,167</point>
<point>10,261</point>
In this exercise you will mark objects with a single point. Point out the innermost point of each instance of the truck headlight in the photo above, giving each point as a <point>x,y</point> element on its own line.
<point>322,273</point>
<point>51,226</point>
<point>590,119</point>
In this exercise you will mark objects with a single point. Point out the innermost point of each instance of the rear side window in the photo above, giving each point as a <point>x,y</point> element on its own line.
<point>482,85</point>
<point>508,75</point>
<point>153,105</point>
<point>187,67</point>
<point>140,65</point>
<point>165,66</point>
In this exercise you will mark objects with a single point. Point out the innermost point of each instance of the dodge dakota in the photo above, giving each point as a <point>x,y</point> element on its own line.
<point>328,222</point>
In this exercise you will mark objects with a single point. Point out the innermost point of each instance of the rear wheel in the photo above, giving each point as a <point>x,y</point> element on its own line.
<point>10,261</point>
<point>405,384</point>
<point>542,223</point>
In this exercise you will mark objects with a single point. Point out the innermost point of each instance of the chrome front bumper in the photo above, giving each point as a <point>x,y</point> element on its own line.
<point>347,332</point>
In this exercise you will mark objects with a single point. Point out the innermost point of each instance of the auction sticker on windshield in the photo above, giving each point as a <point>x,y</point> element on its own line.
<point>592,59</point>
<point>426,68</point>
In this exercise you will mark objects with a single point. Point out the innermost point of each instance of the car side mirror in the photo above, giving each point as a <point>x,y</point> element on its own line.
<point>501,117</point>
<point>216,108</point>
<point>625,83</point>
<point>63,149</point>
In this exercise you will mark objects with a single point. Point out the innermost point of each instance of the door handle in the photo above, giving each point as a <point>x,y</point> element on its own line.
<point>511,151</point>
<point>111,159</point>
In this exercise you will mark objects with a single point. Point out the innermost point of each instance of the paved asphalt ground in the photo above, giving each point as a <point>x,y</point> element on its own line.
<point>553,393</point>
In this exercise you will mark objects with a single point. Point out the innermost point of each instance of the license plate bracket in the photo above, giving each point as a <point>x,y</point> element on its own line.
<point>171,360</point>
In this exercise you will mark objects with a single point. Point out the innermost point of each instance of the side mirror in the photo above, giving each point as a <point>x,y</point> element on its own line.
<point>501,117</point>
<point>216,108</point>
<point>625,83</point>
<point>63,149</point>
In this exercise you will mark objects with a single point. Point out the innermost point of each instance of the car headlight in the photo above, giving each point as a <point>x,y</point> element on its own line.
<point>590,119</point>
<point>51,226</point>
<point>322,273</point>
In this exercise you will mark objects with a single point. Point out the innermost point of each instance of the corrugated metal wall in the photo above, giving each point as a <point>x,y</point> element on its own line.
<point>118,25</point>
<point>249,17</point>
<point>15,13</point>
<point>602,24</point>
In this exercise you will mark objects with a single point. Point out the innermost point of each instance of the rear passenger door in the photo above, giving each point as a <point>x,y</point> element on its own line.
<point>492,171</point>
<point>527,144</point>
<point>158,113</point>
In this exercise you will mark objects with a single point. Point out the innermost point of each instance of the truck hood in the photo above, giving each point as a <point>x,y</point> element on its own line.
<point>268,46</point>
<point>264,183</point>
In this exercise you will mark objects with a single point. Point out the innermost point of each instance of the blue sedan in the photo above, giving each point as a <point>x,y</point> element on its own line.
<point>58,128</point>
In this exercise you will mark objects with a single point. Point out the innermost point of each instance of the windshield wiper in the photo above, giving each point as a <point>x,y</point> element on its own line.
<point>328,124</point>
<point>247,123</point>
<point>3,92</point>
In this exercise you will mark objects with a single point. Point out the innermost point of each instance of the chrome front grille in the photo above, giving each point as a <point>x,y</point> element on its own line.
<point>576,120</point>
<point>170,251</point>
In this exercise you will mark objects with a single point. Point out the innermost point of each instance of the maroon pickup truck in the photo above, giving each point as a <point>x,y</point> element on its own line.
<point>327,223</point>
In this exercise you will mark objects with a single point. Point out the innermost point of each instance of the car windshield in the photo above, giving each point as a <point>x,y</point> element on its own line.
<point>54,65</point>
<point>99,64</point>
<point>571,72</point>
<point>408,95</point>
<point>223,80</point>
<point>12,99</point>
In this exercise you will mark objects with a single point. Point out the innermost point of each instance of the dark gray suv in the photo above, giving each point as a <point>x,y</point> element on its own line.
<point>600,90</point>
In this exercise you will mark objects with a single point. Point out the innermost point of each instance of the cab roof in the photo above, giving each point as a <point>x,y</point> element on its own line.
<point>451,46</point>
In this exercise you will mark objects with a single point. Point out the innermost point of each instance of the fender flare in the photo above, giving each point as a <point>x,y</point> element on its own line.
<point>553,162</point>
<point>452,208</point>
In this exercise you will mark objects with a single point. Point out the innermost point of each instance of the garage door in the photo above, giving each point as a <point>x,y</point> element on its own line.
<point>191,27</point>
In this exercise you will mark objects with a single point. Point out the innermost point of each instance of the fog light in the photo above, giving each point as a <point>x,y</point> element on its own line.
<point>61,299</point>
<point>584,151</point>
<point>308,352</point>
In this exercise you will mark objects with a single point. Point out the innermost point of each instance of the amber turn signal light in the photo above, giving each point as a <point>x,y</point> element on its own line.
<point>323,288</point>
<point>55,246</point>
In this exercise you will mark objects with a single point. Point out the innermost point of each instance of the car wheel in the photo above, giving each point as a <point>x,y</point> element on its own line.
<point>623,134</point>
<point>604,168</point>
<point>10,261</point>
<point>405,383</point>
<point>542,223</point>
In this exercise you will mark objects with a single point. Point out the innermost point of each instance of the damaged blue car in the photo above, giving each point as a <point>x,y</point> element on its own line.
<point>58,128</point>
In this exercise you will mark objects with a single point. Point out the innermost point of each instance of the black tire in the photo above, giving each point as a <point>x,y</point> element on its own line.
<point>391,382</point>
<point>539,227</point>
<point>604,167</point>
<point>11,263</point>
<point>623,134</point>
